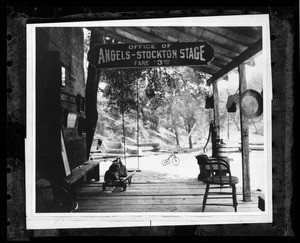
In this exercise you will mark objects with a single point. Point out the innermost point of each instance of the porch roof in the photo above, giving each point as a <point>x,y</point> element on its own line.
<point>232,45</point>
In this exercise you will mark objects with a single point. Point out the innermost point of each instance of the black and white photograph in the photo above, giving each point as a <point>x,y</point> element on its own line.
<point>149,122</point>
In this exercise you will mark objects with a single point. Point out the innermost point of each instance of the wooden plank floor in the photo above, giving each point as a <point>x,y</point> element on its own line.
<point>155,196</point>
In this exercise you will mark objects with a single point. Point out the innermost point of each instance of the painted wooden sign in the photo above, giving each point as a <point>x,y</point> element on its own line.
<point>150,55</point>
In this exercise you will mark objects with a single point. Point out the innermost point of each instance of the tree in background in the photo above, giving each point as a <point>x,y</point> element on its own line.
<point>172,98</point>
<point>180,93</point>
<point>190,97</point>
<point>160,97</point>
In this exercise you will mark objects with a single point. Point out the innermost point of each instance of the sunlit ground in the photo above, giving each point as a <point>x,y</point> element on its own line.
<point>152,168</point>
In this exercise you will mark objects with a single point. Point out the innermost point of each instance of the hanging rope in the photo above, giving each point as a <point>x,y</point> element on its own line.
<point>137,126</point>
<point>123,117</point>
<point>209,134</point>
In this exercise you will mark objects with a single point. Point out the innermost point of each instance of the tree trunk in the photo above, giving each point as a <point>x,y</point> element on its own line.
<point>237,125</point>
<point>190,142</point>
<point>176,136</point>
<point>174,121</point>
<point>189,128</point>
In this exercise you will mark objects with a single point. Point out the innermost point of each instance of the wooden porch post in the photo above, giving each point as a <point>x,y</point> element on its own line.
<point>244,138</point>
<point>91,96</point>
<point>216,108</point>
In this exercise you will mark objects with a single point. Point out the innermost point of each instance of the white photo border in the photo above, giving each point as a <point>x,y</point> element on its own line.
<point>103,220</point>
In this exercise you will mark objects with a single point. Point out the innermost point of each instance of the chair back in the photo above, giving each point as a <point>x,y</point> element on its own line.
<point>203,160</point>
<point>213,170</point>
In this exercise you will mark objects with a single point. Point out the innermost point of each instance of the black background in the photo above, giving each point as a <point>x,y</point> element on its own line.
<point>284,23</point>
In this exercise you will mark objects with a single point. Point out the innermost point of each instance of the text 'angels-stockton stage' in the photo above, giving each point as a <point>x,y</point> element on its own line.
<point>150,55</point>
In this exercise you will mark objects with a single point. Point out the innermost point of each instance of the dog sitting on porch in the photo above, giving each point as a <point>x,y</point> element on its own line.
<point>122,167</point>
<point>115,171</point>
<point>112,174</point>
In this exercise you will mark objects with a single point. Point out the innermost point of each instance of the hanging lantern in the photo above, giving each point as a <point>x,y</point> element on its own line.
<point>231,105</point>
<point>232,108</point>
<point>209,102</point>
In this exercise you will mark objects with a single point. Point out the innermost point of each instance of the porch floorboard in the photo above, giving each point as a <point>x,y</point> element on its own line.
<point>156,196</point>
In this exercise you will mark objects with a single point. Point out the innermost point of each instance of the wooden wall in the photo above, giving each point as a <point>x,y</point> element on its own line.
<point>68,44</point>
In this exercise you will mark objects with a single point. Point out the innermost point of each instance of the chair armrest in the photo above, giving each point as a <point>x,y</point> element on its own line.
<point>220,166</point>
<point>222,163</point>
<point>213,167</point>
<point>219,159</point>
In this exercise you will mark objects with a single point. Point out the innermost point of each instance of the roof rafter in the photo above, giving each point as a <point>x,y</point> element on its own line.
<point>250,32</point>
<point>129,38</point>
<point>182,36</point>
<point>213,38</point>
<point>157,33</point>
<point>137,32</point>
<point>231,35</point>
<point>255,48</point>
<point>222,54</point>
<point>231,46</point>
<point>115,36</point>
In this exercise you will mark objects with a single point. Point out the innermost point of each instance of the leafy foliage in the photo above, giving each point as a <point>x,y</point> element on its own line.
<point>171,98</point>
<point>164,103</point>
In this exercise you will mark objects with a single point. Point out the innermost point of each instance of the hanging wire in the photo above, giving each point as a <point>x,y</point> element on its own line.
<point>237,90</point>
<point>123,117</point>
<point>137,119</point>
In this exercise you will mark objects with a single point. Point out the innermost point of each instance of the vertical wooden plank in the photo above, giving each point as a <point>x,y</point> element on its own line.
<point>49,163</point>
<point>244,138</point>
<point>91,96</point>
<point>216,132</point>
<point>216,107</point>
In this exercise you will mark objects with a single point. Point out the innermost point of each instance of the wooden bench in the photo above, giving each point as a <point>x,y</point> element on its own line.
<point>65,189</point>
<point>120,183</point>
<point>87,171</point>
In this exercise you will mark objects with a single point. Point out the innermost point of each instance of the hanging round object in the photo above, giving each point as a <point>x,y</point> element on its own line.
<point>251,103</point>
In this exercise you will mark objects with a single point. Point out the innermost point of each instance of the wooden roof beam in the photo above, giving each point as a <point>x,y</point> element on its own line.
<point>115,36</point>
<point>110,32</point>
<point>220,57</point>
<point>121,35</point>
<point>174,33</point>
<point>160,34</point>
<point>181,35</point>
<point>232,35</point>
<point>248,53</point>
<point>204,69</point>
<point>140,33</point>
<point>218,62</point>
<point>250,32</point>
<point>213,38</point>
<point>130,36</point>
